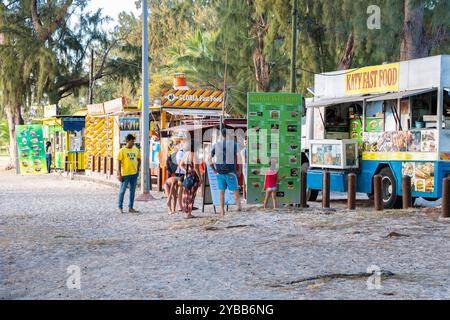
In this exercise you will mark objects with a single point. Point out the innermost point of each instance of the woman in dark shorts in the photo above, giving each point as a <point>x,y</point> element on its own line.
<point>191,166</point>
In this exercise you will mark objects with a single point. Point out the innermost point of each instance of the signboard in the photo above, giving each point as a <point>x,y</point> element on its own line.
<point>401,145</point>
<point>31,148</point>
<point>155,147</point>
<point>274,123</point>
<point>193,99</point>
<point>129,126</point>
<point>50,111</point>
<point>375,79</point>
<point>96,109</point>
<point>214,189</point>
<point>422,175</point>
<point>114,106</point>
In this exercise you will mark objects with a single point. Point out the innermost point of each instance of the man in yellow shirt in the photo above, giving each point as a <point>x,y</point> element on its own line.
<point>129,165</point>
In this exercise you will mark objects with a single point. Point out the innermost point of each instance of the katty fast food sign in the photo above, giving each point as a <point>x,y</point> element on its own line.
<point>193,99</point>
<point>376,79</point>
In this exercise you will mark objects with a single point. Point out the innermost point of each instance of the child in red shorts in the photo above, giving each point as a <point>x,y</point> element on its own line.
<point>271,183</point>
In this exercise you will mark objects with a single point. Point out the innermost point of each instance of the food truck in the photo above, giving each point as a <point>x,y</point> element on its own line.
<point>392,120</point>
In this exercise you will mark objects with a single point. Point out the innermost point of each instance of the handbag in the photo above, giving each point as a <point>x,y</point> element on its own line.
<point>190,181</point>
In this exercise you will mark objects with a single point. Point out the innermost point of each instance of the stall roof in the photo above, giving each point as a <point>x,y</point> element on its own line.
<point>330,102</point>
<point>400,95</point>
<point>195,112</point>
<point>189,127</point>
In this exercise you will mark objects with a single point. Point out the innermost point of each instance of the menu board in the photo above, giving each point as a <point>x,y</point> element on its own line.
<point>401,141</point>
<point>326,155</point>
<point>274,136</point>
<point>422,175</point>
<point>213,185</point>
<point>129,126</point>
<point>31,148</point>
<point>375,124</point>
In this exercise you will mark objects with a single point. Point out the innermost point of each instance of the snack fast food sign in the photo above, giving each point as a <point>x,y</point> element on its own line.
<point>193,99</point>
<point>376,79</point>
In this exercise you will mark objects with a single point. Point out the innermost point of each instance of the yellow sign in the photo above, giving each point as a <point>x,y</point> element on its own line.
<point>376,79</point>
<point>403,156</point>
<point>193,99</point>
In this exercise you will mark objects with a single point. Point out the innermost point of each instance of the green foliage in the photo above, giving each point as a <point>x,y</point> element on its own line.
<point>4,134</point>
<point>199,37</point>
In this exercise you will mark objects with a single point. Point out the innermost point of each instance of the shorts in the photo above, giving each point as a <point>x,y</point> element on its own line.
<point>228,181</point>
<point>271,189</point>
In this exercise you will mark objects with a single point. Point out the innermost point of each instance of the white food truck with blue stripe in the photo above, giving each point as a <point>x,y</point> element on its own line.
<point>391,119</point>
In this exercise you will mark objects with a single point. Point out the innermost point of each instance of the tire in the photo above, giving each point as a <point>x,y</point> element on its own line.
<point>311,195</point>
<point>391,200</point>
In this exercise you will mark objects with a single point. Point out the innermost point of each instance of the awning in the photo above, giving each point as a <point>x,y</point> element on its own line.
<point>333,101</point>
<point>189,127</point>
<point>196,112</point>
<point>400,95</point>
<point>73,124</point>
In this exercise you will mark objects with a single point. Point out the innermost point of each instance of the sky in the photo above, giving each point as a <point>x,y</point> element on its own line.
<point>112,8</point>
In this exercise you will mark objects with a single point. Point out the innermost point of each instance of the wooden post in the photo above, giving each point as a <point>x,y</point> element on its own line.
<point>377,192</point>
<point>160,184</point>
<point>111,166</point>
<point>105,165</point>
<point>93,163</point>
<point>446,198</point>
<point>406,190</point>
<point>326,190</point>
<point>99,164</point>
<point>66,163</point>
<point>303,195</point>
<point>351,191</point>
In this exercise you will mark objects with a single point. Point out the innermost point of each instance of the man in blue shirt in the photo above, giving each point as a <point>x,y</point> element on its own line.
<point>226,156</point>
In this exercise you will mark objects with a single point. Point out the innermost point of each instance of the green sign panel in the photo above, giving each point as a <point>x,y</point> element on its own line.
<point>31,148</point>
<point>274,137</point>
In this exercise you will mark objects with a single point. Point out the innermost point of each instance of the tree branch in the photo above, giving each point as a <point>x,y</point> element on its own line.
<point>45,32</point>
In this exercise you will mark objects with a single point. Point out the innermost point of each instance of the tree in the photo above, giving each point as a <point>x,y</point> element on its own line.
<point>42,55</point>
<point>426,24</point>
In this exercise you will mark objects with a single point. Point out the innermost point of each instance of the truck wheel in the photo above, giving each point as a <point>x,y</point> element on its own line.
<point>311,195</point>
<point>389,190</point>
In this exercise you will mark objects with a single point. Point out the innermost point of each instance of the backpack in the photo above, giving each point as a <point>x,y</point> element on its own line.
<point>171,165</point>
<point>191,180</point>
<point>223,167</point>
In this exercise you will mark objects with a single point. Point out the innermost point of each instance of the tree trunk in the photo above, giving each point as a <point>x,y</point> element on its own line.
<point>262,71</point>
<point>262,68</point>
<point>413,44</point>
<point>348,54</point>
<point>14,116</point>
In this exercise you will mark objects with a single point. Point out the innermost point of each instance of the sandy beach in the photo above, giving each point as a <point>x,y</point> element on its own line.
<point>49,223</point>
